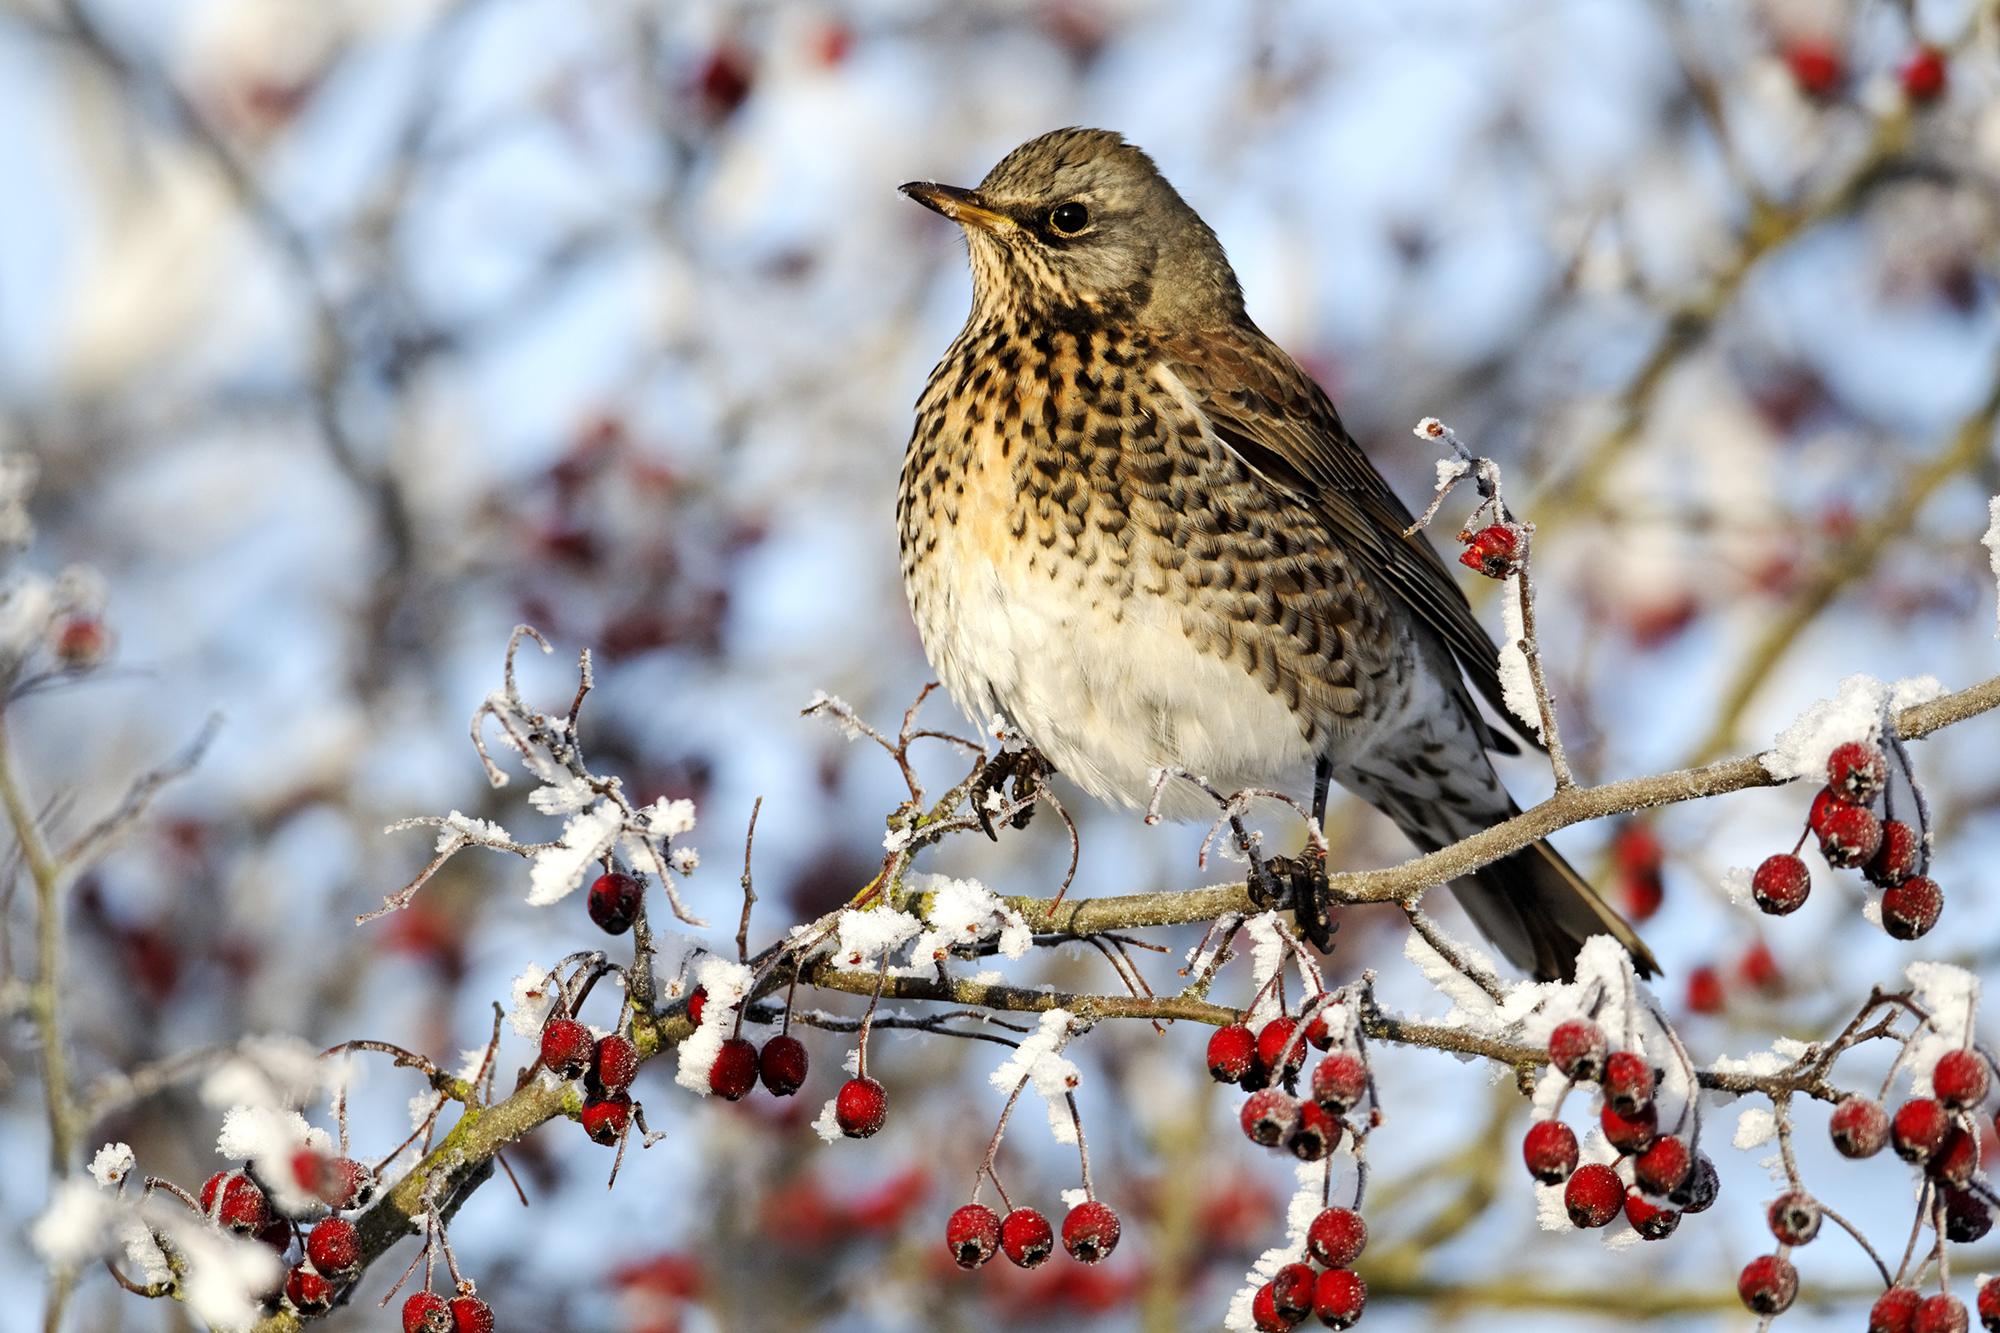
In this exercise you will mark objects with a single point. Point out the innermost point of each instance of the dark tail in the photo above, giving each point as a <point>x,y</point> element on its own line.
<point>1539,912</point>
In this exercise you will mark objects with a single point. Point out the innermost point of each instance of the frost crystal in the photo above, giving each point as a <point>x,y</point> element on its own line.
<point>964,911</point>
<point>458,829</point>
<point>1736,883</point>
<point>836,710</point>
<point>564,796</point>
<point>1039,1059</point>
<point>669,819</point>
<point>114,1161</point>
<point>226,1277</point>
<point>685,860</point>
<point>1517,685</point>
<point>533,997</point>
<point>1754,1128</point>
<point>71,1231</point>
<point>726,984</point>
<point>559,869</point>
<point>1951,994</point>
<point>827,1124</point>
<point>865,935</point>
<point>1267,956</point>
<point>1991,541</point>
<point>275,1071</point>
<point>1854,713</point>
<point>1299,1215</point>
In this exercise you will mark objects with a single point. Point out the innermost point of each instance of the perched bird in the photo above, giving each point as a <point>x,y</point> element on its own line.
<point>1135,528</point>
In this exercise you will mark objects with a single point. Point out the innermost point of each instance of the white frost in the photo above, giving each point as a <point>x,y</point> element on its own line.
<point>1517,686</point>
<point>1268,951</point>
<point>559,869</point>
<point>1040,1060</point>
<point>113,1162</point>
<point>1299,1214</point>
<point>669,819</point>
<point>964,911</point>
<point>272,1070</point>
<point>1754,1128</point>
<point>1855,713</point>
<point>726,984</point>
<point>827,1124</point>
<point>533,997</point>
<point>72,1230</point>
<point>566,795</point>
<point>1951,994</point>
<point>268,1137</point>
<point>226,1278</point>
<point>1991,541</point>
<point>1736,883</point>
<point>866,935</point>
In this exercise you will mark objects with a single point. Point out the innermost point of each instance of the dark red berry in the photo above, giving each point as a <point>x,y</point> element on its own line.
<point>613,1064</point>
<point>232,1201</point>
<point>1856,773</point>
<point>1337,1237</point>
<point>1989,1304</point>
<point>1633,1133</point>
<point>1912,907</point>
<point>1781,884</point>
<point>1090,1232</point>
<point>1628,1082</point>
<point>1315,1135</point>
<point>426,1312</point>
<point>605,1118</point>
<point>1269,1117</point>
<point>1292,1291</point>
<point>1896,859</point>
<point>1895,1311</point>
<point>566,1048</point>
<point>1816,67</point>
<point>734,1072</point>
<point>1661,1168</point>
<point>1339,1296</point>
<point>1967,1217</point>
<point>1651,1221</point>
<point>1918,1129</point>
<point>860,1107</point>
<point>277,1235</point>
<point>697,1001</point>
<point>1577,1048</point>
<point>1794,1218</point>
<point>1339,1082</point>
<point>1923,75</point>
<point>1697,1193</point>
<point>309,1292</point>
<point>614,902</point>
<point>1848,834</point>
<point>1318,1033</point>
<point>1594,1195</point>
<point>1768,1284</point>
<point>334,1247</point>
<point>345,1184</point>
<point>1027,1237</point>
<point>1232,1053</point>
<point>1859,1126</point>
<point>1264,1316</point>
<point>1279,1041</point>
<point>1942,1313</point>
<point>1704,991</point>
<point>1961,1079</point>
<point>1494,551</point>
<point>1549,1148</point>
<point>1956,1158</point>
<point>469,1314</point>
<point>782,1065</point>
<point>972,1234</point>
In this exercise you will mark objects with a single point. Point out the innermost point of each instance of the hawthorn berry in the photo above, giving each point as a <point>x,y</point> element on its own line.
<point>1549,1148</point>
<point>605,1118</point>
<point>1896,858</point>
<point>343,1184</point>
<point>334,1247</point>
<point>278,1235</point>
<point>1577,1048</point>
<point>1633,1133</point>
<point>1704,991</point>
<point>1768,1284</point>
<point>1315,1135</point>
<point>426,1312</point>
<point>614,902</point>
<point>860,1107</point>
<point>1849,835</point>
<point>1661,1168</point>
<point>1967,1217</point>
<point>241,1208</point>
<point>1651,1221</point>
<point>1816,68</point>
<point>1026,1237</point>
<point>1090,1232</point>
<point>1961,1079</point>
<point>1781,884</point>
<point>734,1072</point>
<point>1270,1116</point>
<point>1339,1296</point>
<point>1794,1218</point>
<point>1339,1082</point>
<point>309,1292</point>
<point>1912,907</point>
<point>613,1064</point>
<point>566,1048</point>
<point>1856,773</point>
<point>1232,1053</point>
<point>1859,1126</point>
<point>1278,1043</point>
<point>1292,1292</point>
<point>1337,1237</point>
<point>1918,1129</point>
<point>1593,1196</point>
<point>1628,1082</point>
<point>1894,1311</point>
<point>697,1001</point>
<point>1943,1313</point>
<point>1494,551</point>
<point>972,1234</point>
<point>1318,1033</point>
<point>469,1314</point>
<point>1264,1314</point>
<point>1923,75</point>
<point>1956,1158</point>
<point>1697,1193</point>
<point>782,1065</point>
<point>1989,1303</point>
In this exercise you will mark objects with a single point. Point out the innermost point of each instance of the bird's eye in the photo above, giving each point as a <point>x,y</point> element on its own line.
<point>1068,219</point>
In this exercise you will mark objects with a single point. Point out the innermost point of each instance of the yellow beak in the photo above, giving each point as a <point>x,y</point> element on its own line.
<point>964,207</point>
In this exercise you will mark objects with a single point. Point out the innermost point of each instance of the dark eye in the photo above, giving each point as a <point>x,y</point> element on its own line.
<point>1068,219</point>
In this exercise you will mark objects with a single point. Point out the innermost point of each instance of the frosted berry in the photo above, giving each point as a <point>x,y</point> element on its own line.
<point>232,1201</point>
<point>972,1234</point>
<point>334,1247</point>
<point>1912,907</point>
<point>1961,1079</point>
<point>1923,75</point>
<point>1315,1135</point>
<point>1339,1082</point>
<point>1848,834</point>
<point>1816,68</point>
<point>1264,1316</point>
<point>1943,1313</point>
<point>1232,1053</point>
<point>1697,1193</point>
<point>1781,884</point>
<point>1090,1232</point>
<point>1337,1237</point>
<point>309,1292</point>
<point>860,1107</point>
<point>1549,1148</point>
<point>697,1003</point>
<point>613,1064</point>
<point>1967,1217</point>
<point>1768,1284</point>
<point>1919,1128</point>
<point>1339,1296</point>
<point>1594,1195</point>
<point>1628,1082</point>
<point>1633,1133</point>
<point>1989,1303</point>
<point>605,1118</point>
<point>1494,551</point>
<point>469,1314</point>
<point>1651,1221</point>
<point>1896,858</point>
<point>1318,1033</point>
<point>344,1184</point>
<point>426,1312</point>
<point>566,1048</point>
<point>1269,1117</point>
<point>1026,1237</point>
<point>1860,1126</point>
<point>1794,1218</point>
<point>782,1065</point>
<point>1279,1040</point>
<point>1577,1048</point>
<point>1661,1168</point>
<point>1895,1311</point>
<point>1956,1158</point>
<point>277,1235</point>
<point>1292,1292</point>
<point>734,1072</point>
<point>1856,773</point>
<point>614,902</point>
<point>1704,991</point>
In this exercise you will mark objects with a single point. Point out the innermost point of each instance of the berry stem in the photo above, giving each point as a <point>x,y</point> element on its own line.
<point>1082,1145</point>
<point>993,1144</point>
<point>867,1019</point>
<point>749,893</point>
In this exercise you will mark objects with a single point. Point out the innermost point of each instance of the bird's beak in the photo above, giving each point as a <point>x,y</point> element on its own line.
<point>964,207</point>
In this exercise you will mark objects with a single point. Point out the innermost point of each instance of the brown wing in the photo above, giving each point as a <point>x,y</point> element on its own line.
<point>1282,424</point>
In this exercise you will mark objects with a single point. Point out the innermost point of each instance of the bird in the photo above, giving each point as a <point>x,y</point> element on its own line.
<point>1136,530</point>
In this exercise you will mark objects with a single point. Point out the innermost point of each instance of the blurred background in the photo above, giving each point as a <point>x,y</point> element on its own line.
<point>345,335</point>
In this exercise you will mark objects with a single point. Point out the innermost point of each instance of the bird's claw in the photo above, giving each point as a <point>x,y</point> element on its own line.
<point>1301,882</point>
<point>1021,773</point>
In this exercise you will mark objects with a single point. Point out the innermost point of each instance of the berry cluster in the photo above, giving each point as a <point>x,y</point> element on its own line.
<point>1494,550</point>
<point>1892,854</point>
<point>428,1312</point>
<point>975,1232</point>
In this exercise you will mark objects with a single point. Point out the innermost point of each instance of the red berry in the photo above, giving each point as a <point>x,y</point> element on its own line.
<point>972,1234</point>
<point>1628,1082</point>
<point>613,1064</point>
<point>1269,1117</point>
<point>860,1107</point>
<point>1315,1135</point>
<point>241,1207</point>
<point>1895,860</point>
<point>1781,884</point>
<point>1848,834</point>
<point>1912,907</point>
<point>1264,1314</point>
<point>614,902</point>
<point>1594,1195</point>
<point>1704,991</point>
<point>1860,1126</point>
<point>1961,1079</point>
<point>1318,1033</point>
<point>1494,551</point>
<point>1697,1193</point>
<point>566,1048</point>
<point>1661,1168</point>
<point>1631,1134</point>
<point>1232,1053</point>
<point>1549,1148</point>
<point>1090,1232</point>
<point>469,1314</point>
<point>1337,1237</point>
<point>309,1292</point>
<point>1989,1303</point>
<point>1895,1311</point>
<point>278,1235</point>
<point>1856,773</point>
<point>724,81</point>
<point>1768,1285</point>
<point>734,1072</point>
<point>1816,68</point>
<point>426,1312</point>
<point>1577,1047</point>
<point>1280,1041</point>
<point>1292,1292</point>
<point>1651,1221</point>
<point>1967,1217</point>
<point>1942,1313</point>
<point>1339,1296</point>
<point>1956,1158</point>
<point>344,1184</point>
<point>697,1001</point>
<point>605,1118</point>
<point>81,641</point>
<point>1339,1082</point>
<point>334,1247</point>
<point>1794,1218</point>
<point>1027,1237</point>
<point>782,1065</point>
<point>1919,1128</point>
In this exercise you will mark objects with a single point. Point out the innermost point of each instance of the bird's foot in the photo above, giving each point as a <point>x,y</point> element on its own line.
<point>1302,882</point>
<point>1009,777</point>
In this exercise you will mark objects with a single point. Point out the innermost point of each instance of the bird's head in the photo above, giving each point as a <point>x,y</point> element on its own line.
<point>1081,219</point>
